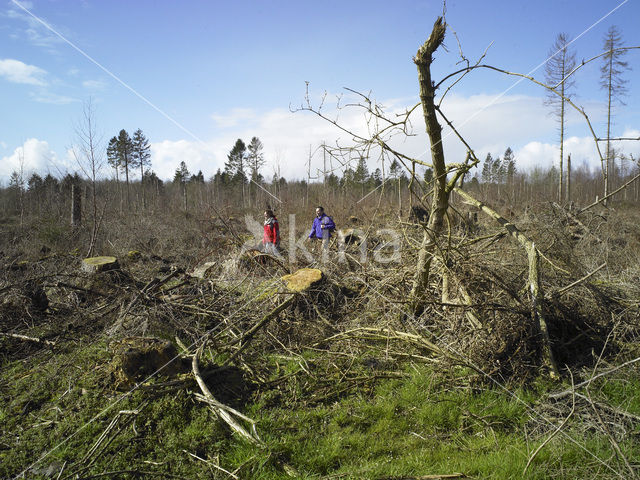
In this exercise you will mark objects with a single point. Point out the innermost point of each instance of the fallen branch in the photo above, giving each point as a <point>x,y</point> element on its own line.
<point>211,464</point>
<point>559,395</point>
<point>225,413</point>
<point>576,283</point>
<point>244,340</point>
<point>537,296</point>
<point>608,196</point>
<point>28,339</point>
<point>575,220</point>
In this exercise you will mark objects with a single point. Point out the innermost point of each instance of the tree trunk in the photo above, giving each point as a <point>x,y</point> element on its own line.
<point>440,201</point>
<point>560,184</point>
<point>607,180</point>
<point>569,178</point>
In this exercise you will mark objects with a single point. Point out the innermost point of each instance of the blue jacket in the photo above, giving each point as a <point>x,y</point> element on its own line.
<point>317,231</point>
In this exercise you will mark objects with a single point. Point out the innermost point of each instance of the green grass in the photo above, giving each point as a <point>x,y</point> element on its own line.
<point>429,422</point>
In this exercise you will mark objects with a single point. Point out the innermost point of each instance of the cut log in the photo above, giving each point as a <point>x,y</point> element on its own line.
<point>303,279</point>
<point>100,264</point>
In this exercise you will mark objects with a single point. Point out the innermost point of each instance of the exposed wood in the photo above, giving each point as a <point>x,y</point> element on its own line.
<point>440,203</point>
<point>225,413</point>
<point>100,264</point>
<point>28,339</point>
<point>303,279</point>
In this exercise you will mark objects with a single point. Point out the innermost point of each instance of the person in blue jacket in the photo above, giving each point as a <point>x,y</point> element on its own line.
<point>322,227</point>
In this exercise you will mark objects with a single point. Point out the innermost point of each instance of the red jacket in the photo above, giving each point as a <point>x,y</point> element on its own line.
<point>271,231</point>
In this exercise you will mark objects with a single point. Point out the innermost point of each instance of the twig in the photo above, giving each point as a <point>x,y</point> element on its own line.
<point>612,440</point>
<point>208,462</point>
<point>577,282</point>
<point>244,340</point>
<point>559,395</point>
<point>555,432</point>
<point>117,473</point>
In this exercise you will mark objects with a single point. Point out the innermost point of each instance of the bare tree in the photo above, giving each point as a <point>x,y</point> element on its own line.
<point>561,62</point>
<point>614,84</point>
<point>87,151</point>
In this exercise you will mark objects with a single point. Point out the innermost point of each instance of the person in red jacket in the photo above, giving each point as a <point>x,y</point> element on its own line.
<point>271,238</point>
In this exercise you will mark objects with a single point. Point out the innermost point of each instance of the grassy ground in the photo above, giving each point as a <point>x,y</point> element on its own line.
<point>327,404</point>
<point>425,422</point>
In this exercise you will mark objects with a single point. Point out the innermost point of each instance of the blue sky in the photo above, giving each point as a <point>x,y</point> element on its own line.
<point>226,70</point>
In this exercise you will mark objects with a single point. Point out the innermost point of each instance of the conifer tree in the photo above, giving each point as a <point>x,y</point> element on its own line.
<point>124,147</point>
<point>561,62</point>
<point>612,81</point>
<point>141,152</point>
<point>255,158</point>
<point>236,164</point>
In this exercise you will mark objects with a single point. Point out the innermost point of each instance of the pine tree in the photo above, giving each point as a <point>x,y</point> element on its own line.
<point>509,163</point>
<point>361,174</point>
<point>561,62</point>
<point>235,165</point>
<point>236,161</point>
<point>487,169</point>
<point>181,177</point>
<point>112,156</point>
<point>497,171</point>
<point>376,176</point>
<point>124,147</point>
<point>255,158</point>
<point>395,169</point>
<point>182,174</point>
<point>141,153</point>
<point>197,178</point>
<point>428,177</point>
<point>612,81</point>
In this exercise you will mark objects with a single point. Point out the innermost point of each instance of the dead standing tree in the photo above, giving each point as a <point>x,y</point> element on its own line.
<point>440,202</point>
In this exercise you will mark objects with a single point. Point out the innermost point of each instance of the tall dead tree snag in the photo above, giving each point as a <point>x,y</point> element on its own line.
<point>440,203</point>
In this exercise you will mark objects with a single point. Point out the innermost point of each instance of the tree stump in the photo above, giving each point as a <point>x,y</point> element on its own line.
<point>204,270</point>
<point>100,264</point>
<point>303,279</point>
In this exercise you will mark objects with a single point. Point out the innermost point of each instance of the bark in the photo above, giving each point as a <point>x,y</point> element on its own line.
<point>440,203</point>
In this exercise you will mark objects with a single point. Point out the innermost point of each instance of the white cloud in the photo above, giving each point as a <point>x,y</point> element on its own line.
<point>33,156</point>
<point>489,126</point>
<point>487,123</point>
<point>167,155</point>
<point>234,118</point>
<point>18,72</point>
